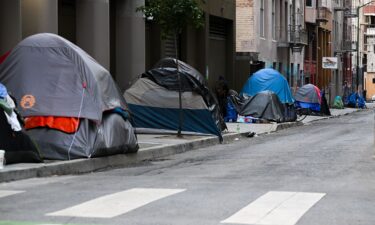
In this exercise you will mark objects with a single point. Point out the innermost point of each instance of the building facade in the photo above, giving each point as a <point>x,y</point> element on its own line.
<point>118,37</point>
<point>270,33</point>
<point>369,49</point>
<point>359,58</point>
<point>341,46</point>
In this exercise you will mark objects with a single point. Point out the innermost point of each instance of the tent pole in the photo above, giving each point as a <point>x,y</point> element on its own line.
<point>179,90</point>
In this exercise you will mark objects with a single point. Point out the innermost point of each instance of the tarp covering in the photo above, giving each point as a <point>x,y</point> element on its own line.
<point>47,63</point>
<point>182,67</point>
<point>3,91</point>
<point>305,105</point>
<point>356,101</point>
<point>308,97</point>
<point>164,73</point>
<point>317,107</point>
<point>64,124</point>
<point>308,93</point>
<point>264,105</point>
<point>271,80</point>
<point>112,136</point>
<point>156,107</point>
<point>50,76</point>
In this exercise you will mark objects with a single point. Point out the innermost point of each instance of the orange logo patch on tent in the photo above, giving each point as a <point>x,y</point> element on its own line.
<point>27,101</point>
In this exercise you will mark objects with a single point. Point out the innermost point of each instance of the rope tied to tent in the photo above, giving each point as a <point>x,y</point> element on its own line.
<point>84,85</point>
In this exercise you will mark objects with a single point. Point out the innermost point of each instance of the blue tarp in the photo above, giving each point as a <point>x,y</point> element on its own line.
<point>3,91</point>
<point>271,80</point>
<point>306,105</point>
<point>356,101</point>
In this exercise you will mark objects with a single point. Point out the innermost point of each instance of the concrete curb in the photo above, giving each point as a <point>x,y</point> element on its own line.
<point>80,166</point>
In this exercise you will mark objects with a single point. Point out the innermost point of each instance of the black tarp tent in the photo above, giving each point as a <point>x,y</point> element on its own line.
<point>153,99</point>
<point>264,105</point>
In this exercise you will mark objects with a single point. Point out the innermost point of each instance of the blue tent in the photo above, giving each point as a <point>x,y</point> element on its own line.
<point>271,80</point>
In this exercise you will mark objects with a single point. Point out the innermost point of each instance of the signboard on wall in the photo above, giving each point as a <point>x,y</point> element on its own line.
<point>329,63</point>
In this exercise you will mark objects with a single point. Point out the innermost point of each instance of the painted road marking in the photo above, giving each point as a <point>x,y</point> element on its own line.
<point>5,222</point>
<point>4,193</point>
<point>276,208</point>
<point>112,205</point>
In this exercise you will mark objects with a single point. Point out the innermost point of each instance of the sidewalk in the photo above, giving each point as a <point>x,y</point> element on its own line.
<point>151,148</point>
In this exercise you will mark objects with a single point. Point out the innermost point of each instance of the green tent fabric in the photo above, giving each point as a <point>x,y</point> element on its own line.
<point>338,104</point>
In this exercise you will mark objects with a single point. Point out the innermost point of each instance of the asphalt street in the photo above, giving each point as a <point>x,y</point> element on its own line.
<point>321,173</point>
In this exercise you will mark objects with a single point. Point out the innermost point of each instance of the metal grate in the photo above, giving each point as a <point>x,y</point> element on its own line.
<point>218,28</point>
<point>170,47</point>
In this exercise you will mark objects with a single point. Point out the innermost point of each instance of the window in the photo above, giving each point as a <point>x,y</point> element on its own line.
<point>291,75</point>
<point>299,76</point>
<point>373,80</point>
<point>274,65</point>
<point>309,3</point>
<point>261,19</point>
<point>273,20</point>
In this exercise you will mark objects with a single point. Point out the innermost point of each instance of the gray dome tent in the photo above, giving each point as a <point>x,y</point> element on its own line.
<point>50,76</point>
<point>153,99</point>
<point>264,105</point>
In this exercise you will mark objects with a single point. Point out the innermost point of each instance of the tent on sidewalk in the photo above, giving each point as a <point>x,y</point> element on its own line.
<point>154,101</point>
<point>310,97</point>
<point>271,80</point>
<point>268,80</point>
<point>72,106</point>
<point>338,103</point>
<point>356,101</point>
<point>264,105</point>
<point>18,146</point>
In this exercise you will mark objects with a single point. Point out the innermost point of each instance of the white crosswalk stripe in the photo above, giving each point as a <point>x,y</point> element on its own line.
<point>5,193</point>
<point>276,208</point>
<point>116,204</point>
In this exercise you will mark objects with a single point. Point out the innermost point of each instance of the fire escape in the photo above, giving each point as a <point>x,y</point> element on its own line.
<point>297,32</point>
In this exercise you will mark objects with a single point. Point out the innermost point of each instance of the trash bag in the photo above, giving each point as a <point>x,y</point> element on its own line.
<point>338,104</point>
<point>356,101</point>
<point>18,146</point>
<point>231,112</point>
<point>290,114</point>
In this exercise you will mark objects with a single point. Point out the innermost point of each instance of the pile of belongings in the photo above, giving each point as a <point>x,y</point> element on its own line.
<point>18,146</point>
<point>356,101</point>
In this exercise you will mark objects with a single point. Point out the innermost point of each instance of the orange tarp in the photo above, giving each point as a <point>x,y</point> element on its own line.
<point>65,124</point>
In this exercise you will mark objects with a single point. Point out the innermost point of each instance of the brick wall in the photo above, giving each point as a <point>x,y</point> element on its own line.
<point>370,9</point>
<point>245,36</point>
